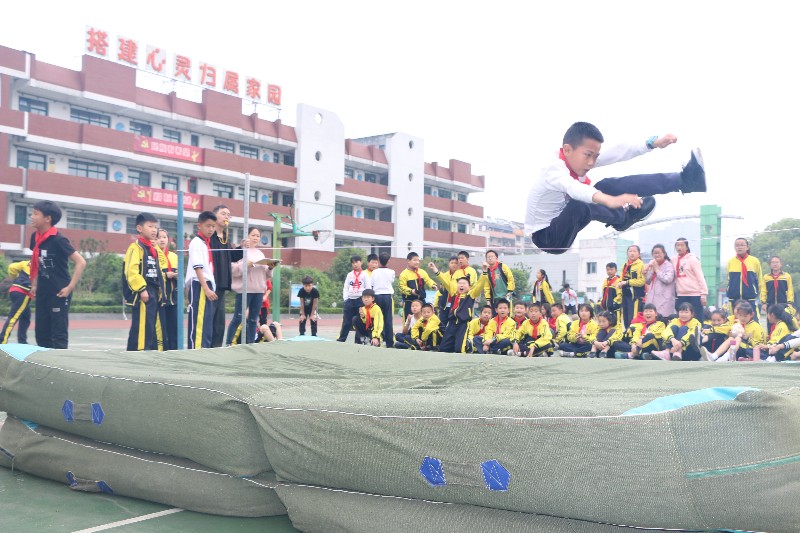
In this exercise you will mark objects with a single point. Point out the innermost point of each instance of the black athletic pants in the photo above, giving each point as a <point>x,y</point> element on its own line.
<point>52,321</point>
<point>144,333</point>
<point>386,304</point>
<point>350,310</point>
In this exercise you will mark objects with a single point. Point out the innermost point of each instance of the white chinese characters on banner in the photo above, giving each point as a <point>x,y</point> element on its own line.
<point>125,51</point>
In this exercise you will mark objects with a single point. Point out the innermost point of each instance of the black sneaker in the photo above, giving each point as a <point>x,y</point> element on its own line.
<point>632,216</point>
<point>693,175</point>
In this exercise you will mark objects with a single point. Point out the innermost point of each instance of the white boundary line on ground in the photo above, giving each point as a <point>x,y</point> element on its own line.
<point>130,521</point>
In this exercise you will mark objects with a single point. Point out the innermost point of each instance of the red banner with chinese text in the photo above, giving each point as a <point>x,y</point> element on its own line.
<point>149,195</point>
<point>182,152</point>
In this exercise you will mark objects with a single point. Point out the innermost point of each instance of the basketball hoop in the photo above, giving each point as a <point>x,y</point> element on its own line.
<point>321,235</point>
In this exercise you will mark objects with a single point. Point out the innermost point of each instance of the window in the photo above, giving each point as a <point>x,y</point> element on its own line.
<point>462,197</point>
<point>130,225</point>
<point>461,228</point>
<point>248,151</point>
<point>370,177</point>
<point>444,193</point>
<point>88,170</point>
<point>426,222</point>
<point>22,214</point>
<point>138,177</point>
<point>287,199</point>
<point>275,198</point>
<point>344,209</point>
<point>253,194</point>
<point>172,135</point>
<point>171,225</point>
<point>37,107</point>
<point>276,157</point>
<point>591,289</point>
<point>225,146</point>
<point>445,225</point>
<point>591,268</point>
<point>170,183</point>
<point>383,179</point>
<point>87,220</point>
<point>427,190</point>
<point>191,185</point>
<point>223,190</point>
<point>348,173</point>
<point>194,140</point>
<point>85,116</point>
<point>31,161</point>
<point>140,128</point>
<point>288,159</point>
<point>386,215</point>
<point>369,213</point>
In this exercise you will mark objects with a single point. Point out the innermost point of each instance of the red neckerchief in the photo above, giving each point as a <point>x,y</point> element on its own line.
<point>682,323</point>
<point>456,301</point>
<point>150,248</point>
<point>646,325</point>
<point>535,328</point>
<point>678,266</point>
<point>772,328</point>
<point>40,238</point>
<point>450,297</point>
<point>497,319</point>
<point>572,172</point>
<point>553,322</point>
<point>582,327</point>
<point>356,281</point>
<point>744,269</point>
<point>519,322</point>
<point>483,326</point>
<point>627,268</point>
<point>419,278</point>
<point>491,273</point>
<point>367,316</point>
<point>775,284</point>
<point>207,240</point>
<point>166,254</point>
<point>609,283</point>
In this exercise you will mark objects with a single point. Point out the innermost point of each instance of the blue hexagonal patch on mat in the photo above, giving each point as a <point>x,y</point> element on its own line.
<point>495,475</point>
<point>433,472</point>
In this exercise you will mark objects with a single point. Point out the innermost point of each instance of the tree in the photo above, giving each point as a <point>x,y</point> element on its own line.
<point>103,271</point>
<point>341,264</point>
<point>782,239</point>
<point>522,279</point>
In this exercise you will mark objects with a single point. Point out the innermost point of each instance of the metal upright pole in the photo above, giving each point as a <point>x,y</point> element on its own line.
<point>243,337</point>
<point>179,240</point>
<point>276,272</point>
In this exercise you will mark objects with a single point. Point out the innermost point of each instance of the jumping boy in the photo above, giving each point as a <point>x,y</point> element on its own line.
<point>354,285</point>
<point>412,283</point>
<point>562,200</point>
<point>368,323</point>
<point>143,287</point>
<point>309,302</point>
<point>51,285</point>
<point>20,295</point>
<point>200,283</point>
<point>455,335</point>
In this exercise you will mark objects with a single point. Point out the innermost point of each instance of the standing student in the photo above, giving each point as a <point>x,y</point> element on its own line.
<point>659,275</point>
<point>51,285</point>
<point>200,283</point>
<point>442,300</point>
<point>455,334</point>
<point>745,281</point>
<point>368,323</point>
<point>354,285</point>
<point>382,280</point>
<point>542,293</point>
<point>777,287</point>
<point>20,295</point>
<point>562,200</point>
<point>412,283</point>
<point>464,270</point>
<point>144,286</point>
<point>631,284</point>
<point>690,282</point>
<point>611,300</point>
<point>263,314</point>
<point>372,264</point>
<point>569,300</point>
<point>222,258</point>
<point>309,303</point>
<point>169,310</point>
<point>257,276</point>
<point>501,279</point>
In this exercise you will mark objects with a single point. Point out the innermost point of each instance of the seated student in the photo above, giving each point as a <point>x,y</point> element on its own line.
<point>712,338</point>
<point>405,337</point>
<point>744,334</point>
<point>559,323</point>
<point>534,338</point>
<point>455,335</point>
<point>681,336</point>
<point>500,337</point>
<point>477,329</point>
<point>582,333</point>
<point>368,323</point>
<point>791,343</point>
<point>781,325</point>
<point>268,332</point>
<point>642,336</point>
<point>520,314</point>
<point>426,334</point>
<point>609,332</point>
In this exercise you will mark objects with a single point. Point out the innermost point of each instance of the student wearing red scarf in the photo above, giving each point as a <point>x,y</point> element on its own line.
<point>354,285</point>
<point>778,288</point>
<point>501,280</point>
<point>562,200</point>
<point>631,284</point>
<point>681,336</point>
<point>51,285</point>
<point>745,280</point>
<point>368,323</point>
<point>144,288</point>
<point>201,283</point>
<point>169,310</point>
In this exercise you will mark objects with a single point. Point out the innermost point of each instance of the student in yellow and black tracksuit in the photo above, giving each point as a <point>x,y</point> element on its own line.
<point>642,337</point>
<point>611,300</point>
<point>425,333</point>
<point>143,286</point>
<point>455,335</point>
<point>631,284</point>
<point>368,323</point>
<point>478,327</point>
<point>778,287</point>
<point>501,333</point>
<point>581,334</point>
<point>20,295</point>
<point>443,299</point>
<point>534,337</point>
<point>169,309</point>
<point>542,293</point>
<point>745,281</point>
<point>681,336</point>
<point>412,283</point>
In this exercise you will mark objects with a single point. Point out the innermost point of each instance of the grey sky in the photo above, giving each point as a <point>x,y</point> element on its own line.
<point>496,84</point>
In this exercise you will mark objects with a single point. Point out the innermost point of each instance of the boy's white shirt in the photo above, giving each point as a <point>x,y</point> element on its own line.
<point>554,186</point>
<point>351,293</point>
<point>381,280</point>
<point>198,256</point>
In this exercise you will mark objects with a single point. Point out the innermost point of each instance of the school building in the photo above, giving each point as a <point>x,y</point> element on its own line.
<point>106,148</point>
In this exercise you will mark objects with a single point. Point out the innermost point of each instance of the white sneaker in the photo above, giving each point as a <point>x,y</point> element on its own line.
<point>771,359</point>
